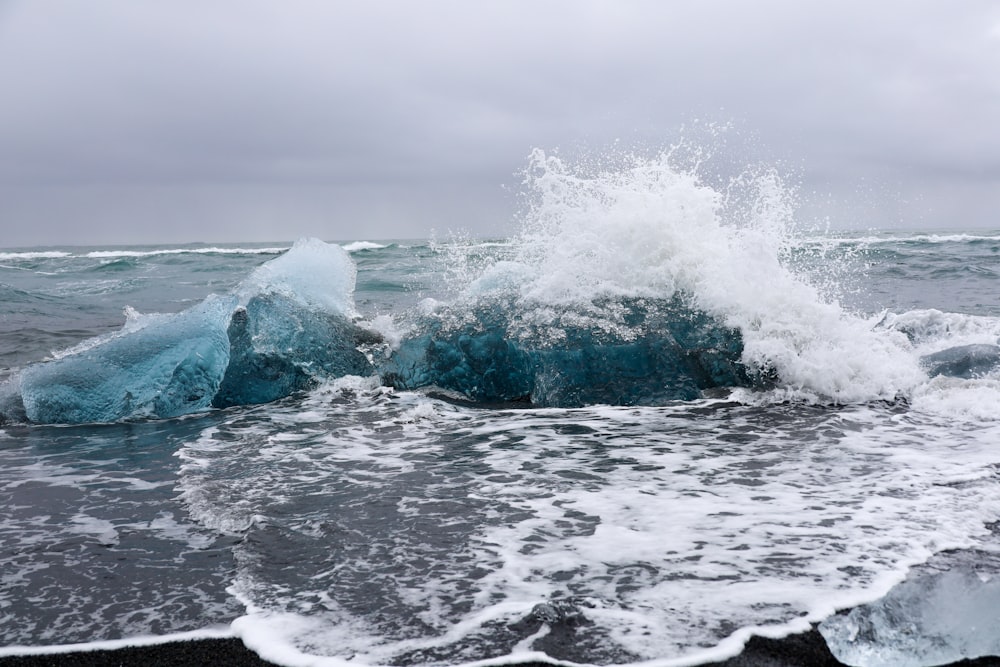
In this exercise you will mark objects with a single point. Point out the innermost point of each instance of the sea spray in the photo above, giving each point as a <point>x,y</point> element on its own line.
<point>591,302</point>
<point>637,283</point>
<point>654,227</point>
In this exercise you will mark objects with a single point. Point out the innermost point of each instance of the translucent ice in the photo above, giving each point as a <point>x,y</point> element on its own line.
<point>289,322</point>
<point>279,346</point>
<point>171,366</point>
<point>316,275</point>
<point>964,361</point>
<point>942,613</point>
<point>672,352</point>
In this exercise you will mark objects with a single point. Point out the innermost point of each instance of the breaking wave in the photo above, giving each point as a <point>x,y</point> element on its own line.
<point>639,284</point>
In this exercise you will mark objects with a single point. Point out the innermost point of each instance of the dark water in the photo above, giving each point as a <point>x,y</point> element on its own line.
<point>402,527</point>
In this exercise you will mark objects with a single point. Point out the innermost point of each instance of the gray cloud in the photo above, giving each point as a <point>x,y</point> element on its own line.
<point>129,122</point>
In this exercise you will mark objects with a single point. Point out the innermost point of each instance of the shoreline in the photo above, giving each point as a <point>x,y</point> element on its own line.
<point>804,649</point>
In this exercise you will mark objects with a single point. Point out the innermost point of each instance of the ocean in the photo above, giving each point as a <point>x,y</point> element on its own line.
<point>420,516</point>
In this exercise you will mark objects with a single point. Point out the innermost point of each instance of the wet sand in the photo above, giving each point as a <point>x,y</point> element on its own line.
<point>807,649</point>
<point>802,650</point>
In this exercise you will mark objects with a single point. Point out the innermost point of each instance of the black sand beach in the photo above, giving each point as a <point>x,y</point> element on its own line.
<point>802,650</point>
<point>173,654</point>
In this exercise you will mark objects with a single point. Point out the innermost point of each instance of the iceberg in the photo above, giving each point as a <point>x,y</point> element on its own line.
<point>171,366</point>
<point>963,361</point>
<point>289,323</point>
<point>671,352</point>
<point>292,322</point>
<point>944,612</point>
<point>278,347</point>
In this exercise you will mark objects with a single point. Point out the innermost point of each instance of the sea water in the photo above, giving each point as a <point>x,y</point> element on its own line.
<point>356,518</point>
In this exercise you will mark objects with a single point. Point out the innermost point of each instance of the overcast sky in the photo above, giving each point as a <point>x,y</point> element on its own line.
<point>124,121</point>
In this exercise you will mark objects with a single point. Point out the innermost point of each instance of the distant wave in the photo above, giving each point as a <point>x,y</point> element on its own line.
<point>952,238</point>
<point>119,253</point>
<point>33,254</point>
<point>112,254</point>
<point>124,253</point>
<point>362,245</point>
<point>901,238</point>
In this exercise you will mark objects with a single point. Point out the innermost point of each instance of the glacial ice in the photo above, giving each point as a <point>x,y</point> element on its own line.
<point>278,347</point>
<point>292,321</point>
<point>289,322</point>
<point>963,361</point>
<point>679,352</point>
<point>944,612</point>
<point>170,367</point>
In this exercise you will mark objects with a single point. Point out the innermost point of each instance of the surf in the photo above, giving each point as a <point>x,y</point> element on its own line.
<point>639,284</point>
<point>641,428</point>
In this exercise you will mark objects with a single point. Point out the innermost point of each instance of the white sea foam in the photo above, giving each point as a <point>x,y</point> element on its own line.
<point>675,538</point>
<point>932,330</point>
<point>214,504</point>
<point>113,644</point>
<point>33,254</point>
<point>357,246</point>
<point>53,474</point>
<point>166,526</point>
<point>100,529</point>
<point>961,400</point>
<point>126,253</point>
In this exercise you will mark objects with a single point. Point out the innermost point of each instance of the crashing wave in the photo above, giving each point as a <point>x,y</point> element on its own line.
<point>637,285</point>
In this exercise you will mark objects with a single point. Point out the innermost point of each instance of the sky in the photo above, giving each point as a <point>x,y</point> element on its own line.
<point>131,121</point>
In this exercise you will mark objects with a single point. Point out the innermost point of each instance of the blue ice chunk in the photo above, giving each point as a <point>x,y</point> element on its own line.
<point>316,275</point>
<point>171,366</point>
<point>280,346</point>
<point>963,361</point>
<point>678,352</point>
<point>288,323</point>
<point>482,366</point>
<point>943,613</point>
<point>11,404</point>
<point>295,326</point>
<point>649,371</point>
